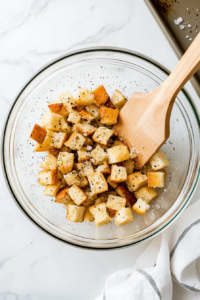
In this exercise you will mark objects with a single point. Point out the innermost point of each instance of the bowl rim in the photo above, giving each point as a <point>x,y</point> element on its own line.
<point>40,70</point>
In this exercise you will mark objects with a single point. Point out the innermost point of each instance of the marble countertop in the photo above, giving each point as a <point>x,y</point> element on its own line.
<point>33,265</point>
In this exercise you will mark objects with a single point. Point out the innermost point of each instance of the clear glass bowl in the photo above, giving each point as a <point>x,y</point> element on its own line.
<point>114,68</point>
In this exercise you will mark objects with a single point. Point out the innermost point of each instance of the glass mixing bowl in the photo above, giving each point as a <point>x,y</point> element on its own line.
<point>115,68</point>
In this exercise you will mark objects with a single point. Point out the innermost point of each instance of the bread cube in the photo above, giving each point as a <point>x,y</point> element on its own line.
<point>63,196</point>
<point>156,179</point>
<point>74,117</point>
<point>68,100</point>
<point>85,168</point>
<point>61,179</point>
<point>94,110</point>
<point>65,162</point>
<point>111,212</point>
<point>108,115</point>
<point>91,198</point>
<point>38,134</point>
<point>45,146</point>
<point>47,177</point>
<point>88,142</point>
<point>109,104</point>
<point>54,151</point>
<point>58,139</point>
<point>88,217</point>
<point>147,168</point>
<point>52,189</point>
<point>118,99</point>
<point>100,95</point>
<point>85,129</point>
<point>85,97</point>
<point>116,202</point>
<point>123,216</point>
<point>140,207</point>
<point>135,181</point>
<point>98,183</point>
<point>129,164</point>
<point>72,178</point>
<point>118,143</point>
<point>55,107</point>
<point>49,163</point>
<point>102,135</point>
<point>86,116</point>
<point>83,155</point>
<point>111,183</point>
<point>75,142</point>
<point>77,194</point>
<point>65,149</point>
<point>100,214</point>
<point>75,213</point>
<point>159,161</point>
<point>118,174</point>
<point>117,154</point>
<point>123,191</point>
<point>100,200</point>
<point>104,168</point>
<point>99,155</point>
<point>146,193</point>
<point>51,121</point>
<point>84,182</point>
<point>65,127</point>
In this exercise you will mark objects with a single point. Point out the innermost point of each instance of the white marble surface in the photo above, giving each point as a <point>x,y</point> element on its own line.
<point>32,264</point>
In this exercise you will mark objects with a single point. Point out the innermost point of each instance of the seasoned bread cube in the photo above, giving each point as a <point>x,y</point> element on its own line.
<point>75,213</point>
<point>109,104</point>
<point>38,134</point>
<point>52,189</point>
<point>118,174</point>
<point>146,193</point>
<point>135,181</point>
<point>98,183</point>
<point>85,129</point>
<point>55,107</point>
<point>84,182</point>
<point>83,155</point>
<point>88,142</point>
<point>123,191</point>
<point>100,200</point>
<point>116,202</point>
<point>123,216</point>
<point>58,139</point>
<point>51,121</point>
<point>91,198</point>
<point>75,142</point>
<point>129,164</point>
<point>74,117</point>
<point>77,194</point>
<point>102,135</point>
<point>113,184</point>
<point>47,177</point>
<point>94,110</point>
<point>117,154</point>
<point>65,149</point>
<point>118,99</point>
<point>45,146</point>
<point>108,115</point>
<point>118,143</point>
<point>140,207</point>
<point>156,179</point>
<point>104,168</point>
<point>68,100</point>
<point>100,95</point>
<point>111,212</point>
<point>85,97</point>
<point>159,161</point>
<point>61,179</point>
<point>72,178</point>
<point>88,217</point>
<point>100,214</point>
<point>49,163</point>
<point>99,155</point>
<point>65,162</point>
<point>65,127</point>
<point>86,116</point>
<point>85,168</point>
<point>147,168</point>
<point>63,196</point>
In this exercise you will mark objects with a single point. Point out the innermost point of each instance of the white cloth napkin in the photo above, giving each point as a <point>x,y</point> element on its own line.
<point>173,255</point>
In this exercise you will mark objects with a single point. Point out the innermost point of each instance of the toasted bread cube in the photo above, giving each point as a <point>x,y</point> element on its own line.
<point>94,110</point>
<point>141,207</point>
<point>118,174</point>
<point>111,183</point>
<point>100,200</point>
<point>54,151</point>
<point>129,164</point>
<point>88,217</point>
<point>123,191</point>
<point>52,189</point>
<point>47,177</point>
<point>75,142</point>
<point>98,183</point>
<point>99,155</point>
<point>104,168</point>
<point>156,179</point>
<point>116,202</point>
<point>111,212</point>
<point>55,107</point>
<point>100,95</point>
<point>91,198</point>
<point>102,135</point>
<point>51,121</point>
<point>77,194</point>
<point>58,139</point>
<point>118,143</point>
<point>83,155</point>
<point>63,196</point>
<point>85,168</point>
<point>65,127</point>
<point>117,154</point>
<point>65,149</point>
<point>68,100</point>
<point>72,178</point>
<point>135,181</point>
<point>49,163</point>
<point>45,146</point>
<point>108,115</point>
<point>84,182</point>
<point>74,117</point>
<point>85,129</point>
<point>86,116</point>
<point>88,142</point>
<point>123,216</point>
<point>85,97</point>
<point>65,162</point>
<point>118,99</point>
<point>159,161</point>
<point>61,179</point>
<point>146,193</point>
<point>147,168</point>
<point>109,104</point>
<point>100,214</point>
<point>38,134</point>
<point>75,213</point>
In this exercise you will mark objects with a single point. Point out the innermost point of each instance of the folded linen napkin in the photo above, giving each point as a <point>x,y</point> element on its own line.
<point>173,255</point>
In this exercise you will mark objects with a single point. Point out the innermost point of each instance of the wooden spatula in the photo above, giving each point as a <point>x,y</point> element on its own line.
<point>144,122</point>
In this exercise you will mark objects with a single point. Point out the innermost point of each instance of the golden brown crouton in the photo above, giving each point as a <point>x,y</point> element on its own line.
<point>108,115</point>
<point>77,194</point>
<point>136,180</point>
<point>75,213</point>
<point>58,139</point>
<point>103,168</point>
<point>102,135</point>
<point>38,134</point>
<point>99,155</point>
<point>116,202</point>
<point>85,168</point>
<point>100,95</point>
<point>100,214</point>
<point>156,179</point>
<point>88,217</point>
<point>75,142</point>
<point>113,184</point>
<point>85,129</point>
<point>98,183</point>
<point>65,162</point>
<point>118,174</point>
<point>123,216</point>
<point>85,97</point>
<point>52,189</point>
<point>86,116</point>
<point>49,163</point>
<point>123,191</point>
<point>55,107</point>
<point>159,161</point>
<point>63,196</point>
<point>140,207</point>
<point>146,193</point>
<point>47,177</point>
<point>68,100</point>
<point>117,154</point>
<point>118,99</point>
